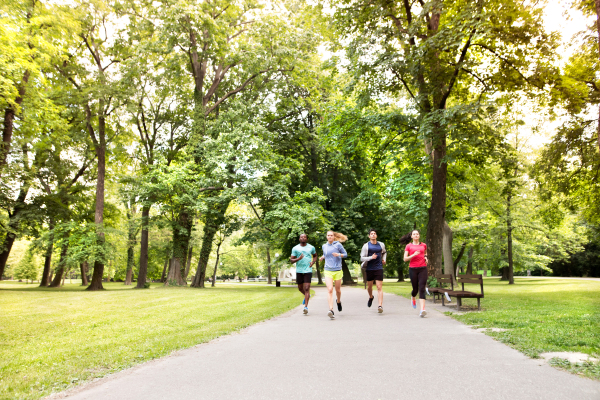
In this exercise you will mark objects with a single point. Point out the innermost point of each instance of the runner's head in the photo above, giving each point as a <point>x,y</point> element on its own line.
<point>415,235</point>
<point>373,234</point>
<point>340,237</point>
<point>330,236</point>
<point>406,239</point>
<point>303,238</point>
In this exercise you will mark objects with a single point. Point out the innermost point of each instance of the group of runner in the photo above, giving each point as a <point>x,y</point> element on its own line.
<point>373,257</point>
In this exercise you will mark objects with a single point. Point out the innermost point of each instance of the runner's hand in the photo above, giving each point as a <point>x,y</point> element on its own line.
<point>383,262</point>
<point>300,258</point>
<point>322,258</point>
<point>417,253</point>
<point>336,254</point>
<point>374,256</point>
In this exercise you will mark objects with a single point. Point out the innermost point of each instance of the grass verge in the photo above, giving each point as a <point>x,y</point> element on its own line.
<point>53,339</point>
<point>540,315</point>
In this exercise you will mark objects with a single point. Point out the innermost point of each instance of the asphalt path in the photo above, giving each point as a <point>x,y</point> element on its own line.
<point>359,355</point>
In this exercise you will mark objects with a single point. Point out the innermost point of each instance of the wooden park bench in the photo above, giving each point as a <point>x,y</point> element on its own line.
<point>439,291</point>
<point>462,294</point>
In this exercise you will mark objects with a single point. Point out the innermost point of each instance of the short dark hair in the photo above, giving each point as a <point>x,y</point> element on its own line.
<point>305,234</point>
<point>373,230</point>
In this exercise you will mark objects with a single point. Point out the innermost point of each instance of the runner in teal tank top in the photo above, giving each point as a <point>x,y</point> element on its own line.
<point>301,255</point>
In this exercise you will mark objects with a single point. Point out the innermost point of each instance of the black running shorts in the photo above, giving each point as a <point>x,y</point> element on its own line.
<point>303,278</point>
<point>375,275</point>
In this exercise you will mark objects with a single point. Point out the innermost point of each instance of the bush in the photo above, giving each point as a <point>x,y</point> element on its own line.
<point>583,263</point>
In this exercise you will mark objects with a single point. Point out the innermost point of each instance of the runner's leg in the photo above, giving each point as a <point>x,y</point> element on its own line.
<point>422,279</point>
<point>414,282</point>
<point>338,290</point>
<point>306,293</point>
<point>379,292</point>
<point>329,284</point>
<point>370,288</point>
<point>301,288</point>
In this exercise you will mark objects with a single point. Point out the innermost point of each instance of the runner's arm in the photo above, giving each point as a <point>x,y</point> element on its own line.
<point>407,257</point>
<point>294,259</point>
<point>343,253</point>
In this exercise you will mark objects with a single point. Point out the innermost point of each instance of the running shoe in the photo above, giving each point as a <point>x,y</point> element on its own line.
<point>330,314</point>
<point>423,313</point>
<point>414,302</point>
<point>339,306</point>
<point>370,302</point>
<point>427,291</point>
<point>379,309</point>
<point>305,311</point>
<point>304,300</point>
<point>447,297</point>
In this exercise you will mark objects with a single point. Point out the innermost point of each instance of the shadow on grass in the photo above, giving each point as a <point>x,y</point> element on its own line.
<point>11,286</point>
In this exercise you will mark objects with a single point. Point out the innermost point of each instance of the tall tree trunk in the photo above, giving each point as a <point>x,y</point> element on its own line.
<point>9,240</point>
<point>400,274</point>
<point>130,261</point>
<point>470,261</point>
<point>8,123</point>
<point>319,277</point>
<point>163,277</point>
<point>143,271</point>
<point>214,219</point>
<point>504,271</point>
<point>188,265</point>
<point>100,146</point>
<point>60,269</point>
<point>214,275</point>
<point>346,276</point>
<point>447,250</point>
<point>14,221</point>
<point>131,234</point>
<point>509,229</point>
<point>181,239</point>
<point>84,273</point>
<point>269,281</point>
<point>45,281</point>
<point>437,210</point>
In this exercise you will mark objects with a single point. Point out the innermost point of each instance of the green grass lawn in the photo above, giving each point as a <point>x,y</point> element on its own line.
<point>51,339</point>
<point>541,315</point>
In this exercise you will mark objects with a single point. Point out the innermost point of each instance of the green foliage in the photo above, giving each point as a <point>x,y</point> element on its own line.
<point>432,282</point>
<point>27,268</point>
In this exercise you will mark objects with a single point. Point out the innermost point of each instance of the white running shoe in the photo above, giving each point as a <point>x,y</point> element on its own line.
<point>305,310</point>
<point>447,297</point>
<point>427,291</point>
<point>330,314</point>
<point>423,313</point>
<point>379,309</point>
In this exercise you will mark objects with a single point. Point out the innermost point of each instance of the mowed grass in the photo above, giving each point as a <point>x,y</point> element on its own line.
<point>540,315</point>
<point>52,339</point>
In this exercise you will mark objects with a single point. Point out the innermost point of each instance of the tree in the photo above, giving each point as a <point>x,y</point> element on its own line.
<point>447,58</point>
<point>32,38</point>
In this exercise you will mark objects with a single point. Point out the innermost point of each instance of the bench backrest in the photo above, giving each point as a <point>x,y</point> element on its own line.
<point>477,279</point>
<point>445,278</point>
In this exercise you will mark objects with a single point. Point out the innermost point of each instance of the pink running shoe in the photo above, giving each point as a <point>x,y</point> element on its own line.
<point>414,302</point>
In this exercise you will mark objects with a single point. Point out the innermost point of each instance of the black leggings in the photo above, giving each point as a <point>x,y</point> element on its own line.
<point>418,278</point>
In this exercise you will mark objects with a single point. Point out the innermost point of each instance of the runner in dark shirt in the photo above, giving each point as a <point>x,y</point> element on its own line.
<point>373,256</point>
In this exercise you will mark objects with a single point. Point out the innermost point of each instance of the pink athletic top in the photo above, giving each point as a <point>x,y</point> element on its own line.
<point>418,260</point>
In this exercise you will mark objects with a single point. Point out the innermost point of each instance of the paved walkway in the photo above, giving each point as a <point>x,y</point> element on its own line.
<point>359,355</point>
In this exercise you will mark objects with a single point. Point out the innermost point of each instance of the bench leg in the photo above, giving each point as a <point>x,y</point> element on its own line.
<point>443,301</point>
<point>478,304</point>
<point>458,302</point>
<point>434,298</point>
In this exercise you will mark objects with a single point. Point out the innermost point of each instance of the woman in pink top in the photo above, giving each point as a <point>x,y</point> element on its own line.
<point>416,253</point>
